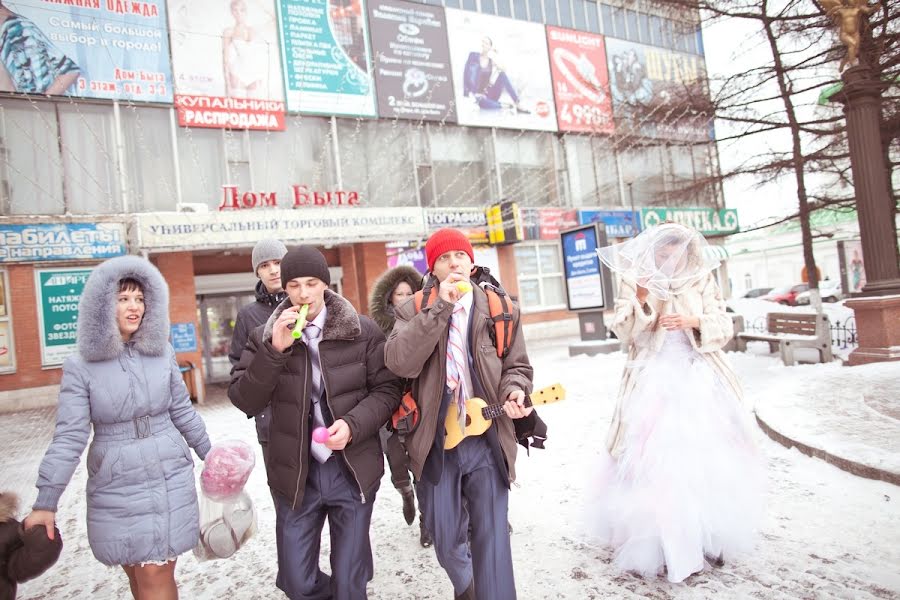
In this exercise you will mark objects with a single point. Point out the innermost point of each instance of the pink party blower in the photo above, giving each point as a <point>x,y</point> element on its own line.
<point>320,435</point>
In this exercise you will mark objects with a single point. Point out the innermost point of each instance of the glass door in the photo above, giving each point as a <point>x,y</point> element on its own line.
<point>217,315</point>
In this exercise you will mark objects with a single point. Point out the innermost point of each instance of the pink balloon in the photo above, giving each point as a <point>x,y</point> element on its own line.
<point>320,434</point>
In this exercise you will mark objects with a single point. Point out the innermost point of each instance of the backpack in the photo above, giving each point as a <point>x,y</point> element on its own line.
<point>406,418</point>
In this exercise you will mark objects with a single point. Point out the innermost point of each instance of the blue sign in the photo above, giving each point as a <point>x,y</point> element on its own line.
<point>61,241</point>
<point>118,50</point>
<point>619,223</point>
<point>184,337</point>
<point>582,268</point>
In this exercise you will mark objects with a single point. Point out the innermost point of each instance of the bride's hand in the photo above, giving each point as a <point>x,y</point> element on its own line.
<point>642,293</point>
<point>676,322</point>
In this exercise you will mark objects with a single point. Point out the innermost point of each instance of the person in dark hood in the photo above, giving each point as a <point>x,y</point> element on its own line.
<point>266,259</point>
<point>23,554</point>
<point>393,288</point>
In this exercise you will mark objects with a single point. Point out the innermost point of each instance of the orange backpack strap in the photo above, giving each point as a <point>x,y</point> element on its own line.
<point>500,309</point>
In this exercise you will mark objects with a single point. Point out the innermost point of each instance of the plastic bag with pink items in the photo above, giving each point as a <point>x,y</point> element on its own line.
<point>227,514</point>
<point>226,469</point>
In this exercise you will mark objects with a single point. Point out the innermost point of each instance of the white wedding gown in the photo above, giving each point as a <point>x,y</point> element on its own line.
<point>690,481</point>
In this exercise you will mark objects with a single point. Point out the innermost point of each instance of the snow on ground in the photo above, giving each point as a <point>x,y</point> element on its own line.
<point>827,534</point>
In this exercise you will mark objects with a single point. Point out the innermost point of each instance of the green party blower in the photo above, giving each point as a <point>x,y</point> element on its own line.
<point>301,322</point>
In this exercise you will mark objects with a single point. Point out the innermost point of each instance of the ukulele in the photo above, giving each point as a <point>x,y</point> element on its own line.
<point>479,414</point>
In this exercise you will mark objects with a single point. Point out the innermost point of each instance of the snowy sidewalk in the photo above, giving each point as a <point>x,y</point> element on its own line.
<point>847,416</point>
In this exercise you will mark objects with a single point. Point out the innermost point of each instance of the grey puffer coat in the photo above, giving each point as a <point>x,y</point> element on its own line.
<point>141,499</point>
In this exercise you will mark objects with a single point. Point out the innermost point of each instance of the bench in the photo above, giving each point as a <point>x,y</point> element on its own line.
<point>788,331</point>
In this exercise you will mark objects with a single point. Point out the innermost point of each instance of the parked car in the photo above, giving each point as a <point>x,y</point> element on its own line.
<point>829,290</point>
<point>756,292</point>
<point>786,295</point>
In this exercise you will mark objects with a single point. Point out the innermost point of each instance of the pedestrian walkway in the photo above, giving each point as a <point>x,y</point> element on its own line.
<point>847,416</point>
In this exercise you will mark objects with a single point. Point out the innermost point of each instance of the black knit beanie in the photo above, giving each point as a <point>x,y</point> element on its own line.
<point>304,261</point>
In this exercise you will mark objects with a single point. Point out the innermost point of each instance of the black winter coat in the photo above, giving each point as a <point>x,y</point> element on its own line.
<point>23,554</point>
<point>250,317</point>
<point>358,389</point>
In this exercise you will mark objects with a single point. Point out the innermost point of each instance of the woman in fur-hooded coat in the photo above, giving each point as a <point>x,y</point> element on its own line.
<point>124,383</point>
<point>382,301</point>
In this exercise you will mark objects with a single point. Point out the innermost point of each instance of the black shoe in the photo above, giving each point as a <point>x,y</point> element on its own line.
<point>425,538</point>
<point>509,526</point>
<point>716,561</point>
<point>524,111</point>
<point>409,503</point>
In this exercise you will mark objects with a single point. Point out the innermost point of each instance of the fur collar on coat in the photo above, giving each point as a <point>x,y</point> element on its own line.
<point>380,308</point>
<point>99,338</point>
<point>9,506</point>
<point>341,320</point>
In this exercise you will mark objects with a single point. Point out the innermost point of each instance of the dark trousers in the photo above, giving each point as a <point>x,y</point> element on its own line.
<point>397,458</point>
<point>470,472</point>
<point>328,493</point>
<point>493,92</point>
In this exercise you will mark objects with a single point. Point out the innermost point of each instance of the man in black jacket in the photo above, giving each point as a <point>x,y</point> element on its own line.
<point>334,377</point>
<point>266,259</point>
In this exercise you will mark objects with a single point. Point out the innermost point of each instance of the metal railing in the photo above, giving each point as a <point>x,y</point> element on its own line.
<point>843,332</point>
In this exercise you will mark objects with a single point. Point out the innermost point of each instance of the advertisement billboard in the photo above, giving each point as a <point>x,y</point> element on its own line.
<point>501,75</point>
<point>580,81</point>
<point>58,294</point>
<point>587,285</point>
<point>652,90</point>
<point>326,57</point>
<point>412,61</point>
<point>226,63</point>
<point>619,223</point>
<point>112,49</point>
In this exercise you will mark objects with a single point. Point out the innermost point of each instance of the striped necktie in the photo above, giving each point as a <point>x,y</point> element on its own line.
<point>456,364</point>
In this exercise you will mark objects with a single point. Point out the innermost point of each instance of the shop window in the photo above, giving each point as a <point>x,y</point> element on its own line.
<point>7,351</point>
<point>565,14</point>
<point>30,165</point>
<point>643,171</point>
<point>550,17</point>
<point>535,11</point>
<point>376,161</point>
<point>540,276</point>
<point>487,6</point>
<point>593,17</point>
<point>469,5</point>
<point>149,167</point>
<point>503,8</point>
<point>527,168</point>
<point>300,155</point>
<point>520,7</point>
<point>460,166</point>
<point>201,154</point>
<point>90,162</point>
<point>631,19</point>
<point>606,17</point>
<point>579,7</point>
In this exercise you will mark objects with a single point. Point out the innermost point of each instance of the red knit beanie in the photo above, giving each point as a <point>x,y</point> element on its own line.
<point>445,240</point>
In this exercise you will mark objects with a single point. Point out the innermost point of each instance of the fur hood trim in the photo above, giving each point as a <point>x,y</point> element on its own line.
<point>9,506</point>
<point>380,308</point>
<point>341,319</point>
<point>99,338</point>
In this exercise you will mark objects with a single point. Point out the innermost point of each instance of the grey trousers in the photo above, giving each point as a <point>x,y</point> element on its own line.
<point>298,532</point>
<point>469,471</point>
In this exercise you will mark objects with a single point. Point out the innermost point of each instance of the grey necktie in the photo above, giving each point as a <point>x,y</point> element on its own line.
<point>311,336</point>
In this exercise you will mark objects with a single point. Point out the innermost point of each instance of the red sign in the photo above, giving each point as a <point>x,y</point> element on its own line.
<point>301,195</point>
<point>546,223</point>
<point>220,112</point>
<point>580,80</point>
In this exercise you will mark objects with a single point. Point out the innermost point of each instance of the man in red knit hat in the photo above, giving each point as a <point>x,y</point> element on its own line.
<point>447,352</point>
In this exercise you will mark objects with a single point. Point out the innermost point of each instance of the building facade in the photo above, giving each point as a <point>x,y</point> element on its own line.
<point>187,130</point>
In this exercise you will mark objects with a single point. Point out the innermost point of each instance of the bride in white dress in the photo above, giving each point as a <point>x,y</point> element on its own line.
<point>681,483</point>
